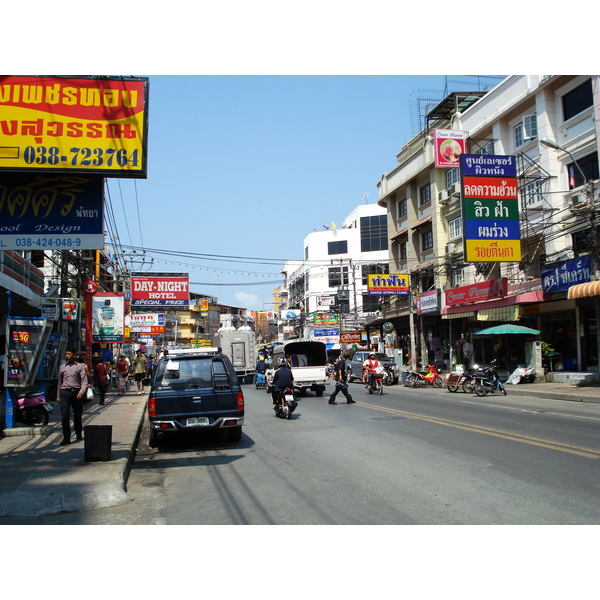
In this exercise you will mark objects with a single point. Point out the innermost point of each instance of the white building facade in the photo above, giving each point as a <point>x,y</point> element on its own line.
<point>332,278</point>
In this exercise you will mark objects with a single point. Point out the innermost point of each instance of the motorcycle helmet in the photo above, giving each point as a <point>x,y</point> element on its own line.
<point>281,362</point>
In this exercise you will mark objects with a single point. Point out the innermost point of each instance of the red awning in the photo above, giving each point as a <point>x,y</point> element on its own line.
<point>589,289</point>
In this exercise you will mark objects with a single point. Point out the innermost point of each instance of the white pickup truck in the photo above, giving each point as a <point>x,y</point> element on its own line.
<point>309,364</point>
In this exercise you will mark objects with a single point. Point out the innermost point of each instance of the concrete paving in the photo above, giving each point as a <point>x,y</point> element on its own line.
<point>40,477</point>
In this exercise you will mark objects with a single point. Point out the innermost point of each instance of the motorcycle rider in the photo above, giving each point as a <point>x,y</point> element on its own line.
<point>282,380</point>
<point>369,369</point>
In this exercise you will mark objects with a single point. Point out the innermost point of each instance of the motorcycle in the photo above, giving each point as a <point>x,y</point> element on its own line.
<point>488,382</point>
<point>375,385</point>
<point>260,380</point>
<point>432,377</point>
<point>286,405</point>
<point>465,380</point>
<point>32,409</point>
<point>388,375</point>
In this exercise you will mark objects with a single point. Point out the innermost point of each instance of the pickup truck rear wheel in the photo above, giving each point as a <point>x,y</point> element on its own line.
<point>234,434</point>
<point>319,390</point>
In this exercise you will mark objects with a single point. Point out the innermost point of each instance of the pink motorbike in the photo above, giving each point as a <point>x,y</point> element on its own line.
<point>32,409</point>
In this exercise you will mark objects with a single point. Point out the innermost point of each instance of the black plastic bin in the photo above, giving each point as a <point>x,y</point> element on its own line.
<point>97,440</point>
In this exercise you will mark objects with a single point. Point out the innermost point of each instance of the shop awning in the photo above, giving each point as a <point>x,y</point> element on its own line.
<point>459,315</point>
<point>422,222</point>
<point>398,235</point>
<point>590,289</point>
<point>501,313</point>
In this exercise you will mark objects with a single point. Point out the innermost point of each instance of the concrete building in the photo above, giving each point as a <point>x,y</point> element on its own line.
<point>332,278</point>
<point>557,199</point>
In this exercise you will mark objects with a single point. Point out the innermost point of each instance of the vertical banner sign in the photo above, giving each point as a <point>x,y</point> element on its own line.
<point>449,146</point>
<point>490,208</point>
<point>108,314</point>
<point>74,124</point>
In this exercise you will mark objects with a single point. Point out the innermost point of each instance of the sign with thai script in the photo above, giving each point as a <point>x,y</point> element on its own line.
<point>160,289</point>
<point>449,145</point>
<point>486,290</point>
<point>491,226</point>
<point>326,332</point>
<point>384,285</point>
<point>325,319</point>
<point>145,320</point>
<point>560,276</point>
<point>325,300</point>
<point>427,302</point>
<point>74,124</point>
<point>51,212</point>
<point>488,165</point>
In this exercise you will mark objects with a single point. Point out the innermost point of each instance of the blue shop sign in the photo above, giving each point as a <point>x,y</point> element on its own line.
<point>560,276</point>
<point>482,165</point>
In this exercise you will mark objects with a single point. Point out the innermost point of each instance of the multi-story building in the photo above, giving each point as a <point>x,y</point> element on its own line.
<point>332,278</point>
<point>548,123</point>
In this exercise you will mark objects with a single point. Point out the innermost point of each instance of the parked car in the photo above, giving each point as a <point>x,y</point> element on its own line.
<point>195,392</point>
<point>354,367</point>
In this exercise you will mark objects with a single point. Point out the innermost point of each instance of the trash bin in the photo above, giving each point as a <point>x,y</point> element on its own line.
<point>97,440</point>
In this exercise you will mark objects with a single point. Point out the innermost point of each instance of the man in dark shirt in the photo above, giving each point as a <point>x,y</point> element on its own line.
<point>282,380</point>
<point>70,392</point>
<point>340,381</point>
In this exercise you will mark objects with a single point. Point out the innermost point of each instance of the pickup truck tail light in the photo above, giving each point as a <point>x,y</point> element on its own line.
<point>240,400</point>
<point>152,406</point>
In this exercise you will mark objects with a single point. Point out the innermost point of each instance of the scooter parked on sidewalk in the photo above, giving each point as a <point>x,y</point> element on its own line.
<point>432,377</point>
<point>32,409</point>
<point>488,382</point>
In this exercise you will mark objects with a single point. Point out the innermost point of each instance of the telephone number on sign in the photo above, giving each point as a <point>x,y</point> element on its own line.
<point>44,242</point>
<point>82,157</point>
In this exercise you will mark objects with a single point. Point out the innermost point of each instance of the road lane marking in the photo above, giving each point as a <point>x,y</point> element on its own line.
<point>515,437</point>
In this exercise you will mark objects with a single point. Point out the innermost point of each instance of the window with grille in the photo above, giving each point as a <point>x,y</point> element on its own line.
<point>455,228</point>
<point>338,276</point>
<point>425,194</point>
<point>427,240</point>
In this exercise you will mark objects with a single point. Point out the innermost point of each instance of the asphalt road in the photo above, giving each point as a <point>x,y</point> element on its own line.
<point>408,457</point>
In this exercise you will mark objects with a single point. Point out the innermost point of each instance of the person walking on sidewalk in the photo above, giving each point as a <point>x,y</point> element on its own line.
<point>101,379</point>
<point>140,370</point>
<point>340,381</point>
<point>70,392</point>
<point>122,374</point>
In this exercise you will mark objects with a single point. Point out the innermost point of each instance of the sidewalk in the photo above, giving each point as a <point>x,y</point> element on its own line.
<point>41,477</point>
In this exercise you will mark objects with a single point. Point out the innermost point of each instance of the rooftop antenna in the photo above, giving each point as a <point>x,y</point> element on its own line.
<point>366,197</point>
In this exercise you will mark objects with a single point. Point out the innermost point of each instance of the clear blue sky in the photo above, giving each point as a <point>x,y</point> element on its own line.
<point>249,165</point>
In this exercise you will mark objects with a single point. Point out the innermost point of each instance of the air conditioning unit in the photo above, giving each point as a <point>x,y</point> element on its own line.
<point>455,189</point>
<point>443,197</point>
<point>451,248</point>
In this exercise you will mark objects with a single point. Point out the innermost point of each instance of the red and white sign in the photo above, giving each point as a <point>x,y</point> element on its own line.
<point>164,289</point>
<point>487,290</point>
<point>449,144</point>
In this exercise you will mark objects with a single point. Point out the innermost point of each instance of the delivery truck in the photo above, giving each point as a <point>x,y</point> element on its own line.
<point>239,346</point>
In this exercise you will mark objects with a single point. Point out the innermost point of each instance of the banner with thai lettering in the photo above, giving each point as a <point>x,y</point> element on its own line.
<point>386,285</point>
<point>560,276</point>
<point>160,289</point>
<point>51,212</point>
<point>74,124</point>
<point>490,205</point>
<point>486,290</point>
